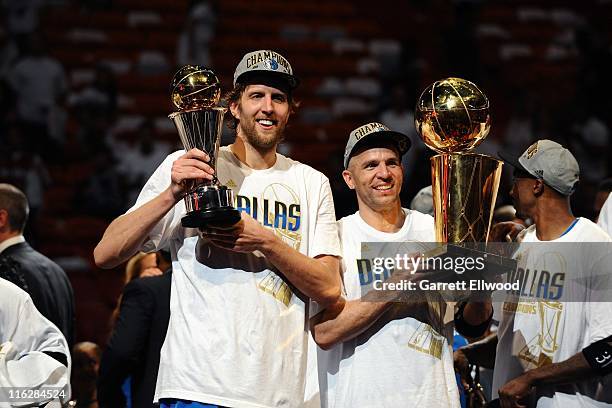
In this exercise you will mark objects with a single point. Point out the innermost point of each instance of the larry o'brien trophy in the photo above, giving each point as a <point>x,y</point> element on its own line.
<point>195,92</point>
<point>452,117</point>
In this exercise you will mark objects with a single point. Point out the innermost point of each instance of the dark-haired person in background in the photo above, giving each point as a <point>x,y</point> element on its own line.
<point>44,280</point>
<point>85,366</point>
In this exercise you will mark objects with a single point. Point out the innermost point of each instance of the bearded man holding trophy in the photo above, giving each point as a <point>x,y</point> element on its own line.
<point>253,238</point>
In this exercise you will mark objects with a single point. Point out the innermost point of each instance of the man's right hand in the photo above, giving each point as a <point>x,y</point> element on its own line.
<point>151,272</point>
<point>127,233</point>
<point>462,367</point>
<point>505,231</point>
<point>189,169</point>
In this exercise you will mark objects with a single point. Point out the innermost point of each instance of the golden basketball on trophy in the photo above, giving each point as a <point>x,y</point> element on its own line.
<point>195,87</point>
<point>452,117</point>
<point>195,92</point>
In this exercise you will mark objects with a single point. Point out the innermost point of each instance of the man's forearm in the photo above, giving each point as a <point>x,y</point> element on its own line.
<point>482,353</point>
<point>125,235</point>
<point>575,368</point>
<point>317,278</point>
<point>345,320</point>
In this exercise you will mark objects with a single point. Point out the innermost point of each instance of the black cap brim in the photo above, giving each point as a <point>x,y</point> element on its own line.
<point>401,140</point>
<point>276,79</point>
<point>511,160</point>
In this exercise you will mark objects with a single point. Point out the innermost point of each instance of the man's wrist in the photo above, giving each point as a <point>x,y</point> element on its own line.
<point>467,352</point>
<point>533,377</point>
<point>171,196</point>
<point>269,241</point>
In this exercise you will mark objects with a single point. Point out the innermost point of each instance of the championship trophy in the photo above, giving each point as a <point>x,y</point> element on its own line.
<point>195,93</point>
<point>452,117</point>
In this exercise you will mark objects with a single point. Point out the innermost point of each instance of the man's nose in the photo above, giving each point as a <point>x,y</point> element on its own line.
<point>383,171</point>
<point>267,104</point>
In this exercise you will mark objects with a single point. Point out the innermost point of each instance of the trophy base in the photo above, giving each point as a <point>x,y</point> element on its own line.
<point>210,206</point>
<point>216,217</point>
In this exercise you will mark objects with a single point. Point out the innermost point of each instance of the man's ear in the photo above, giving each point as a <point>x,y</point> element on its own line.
<point>538,187</point>
<point>3,219</point>
<point>348,179</point>
<point>234,110</point>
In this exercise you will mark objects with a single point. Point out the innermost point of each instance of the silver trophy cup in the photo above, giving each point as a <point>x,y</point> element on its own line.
<point>195,92</point>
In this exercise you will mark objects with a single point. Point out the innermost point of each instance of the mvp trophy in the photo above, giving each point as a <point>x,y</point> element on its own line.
<point>195,93</point>
<point>452,117</point>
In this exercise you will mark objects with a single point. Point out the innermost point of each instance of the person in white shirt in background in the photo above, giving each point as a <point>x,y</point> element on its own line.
<point>605,216</point>
<point>603,206</point>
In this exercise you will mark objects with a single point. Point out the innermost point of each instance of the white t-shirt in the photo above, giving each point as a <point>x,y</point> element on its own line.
<point>533,333</point>
<point>38,82</point>
<point>400,361</point>
<point>25,335</point>
<point>136,166</point>
<point>605,216</point>
<point>237,331</point>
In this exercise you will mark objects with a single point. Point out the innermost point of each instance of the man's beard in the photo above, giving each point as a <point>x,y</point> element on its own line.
<point>259,141</point>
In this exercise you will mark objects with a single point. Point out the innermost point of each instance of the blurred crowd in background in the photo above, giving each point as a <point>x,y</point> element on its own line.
<point>84,99</point>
